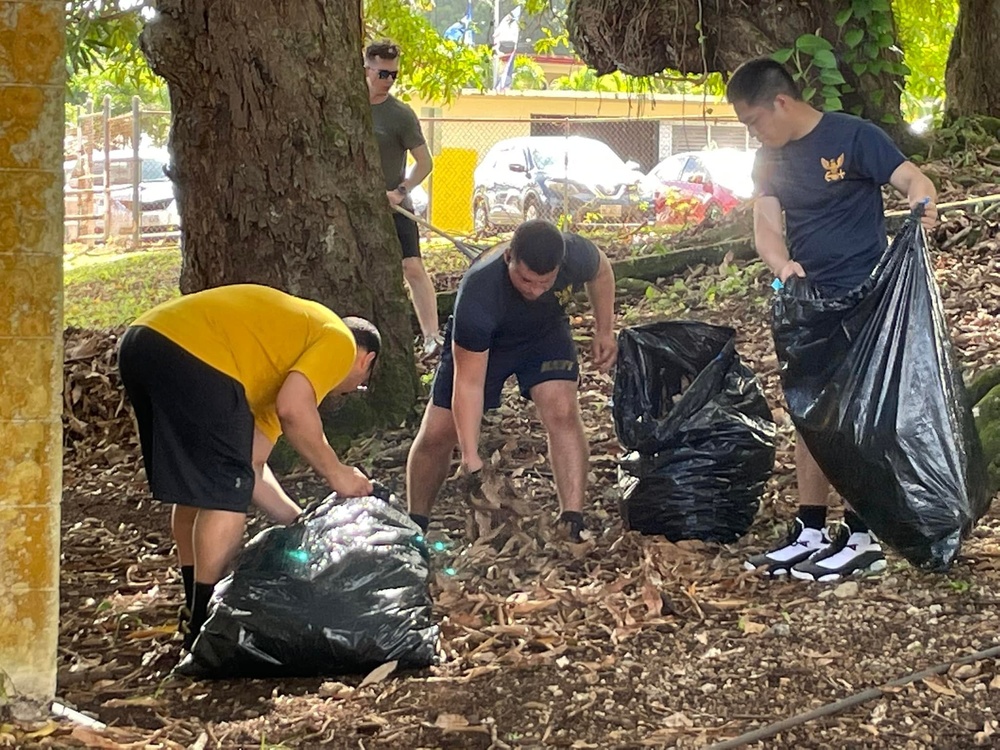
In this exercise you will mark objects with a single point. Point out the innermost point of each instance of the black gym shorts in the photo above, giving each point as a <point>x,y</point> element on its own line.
<point>195,425</point>
<point>409,236</point>
<point>551,356</point>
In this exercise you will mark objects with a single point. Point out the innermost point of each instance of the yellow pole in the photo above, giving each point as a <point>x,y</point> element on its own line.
<point>32,84</point>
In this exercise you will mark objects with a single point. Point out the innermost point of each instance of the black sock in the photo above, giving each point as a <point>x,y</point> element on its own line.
<point>574,517</point>
<point>199,607</point>
<point>187,575</point>
<point>422,521</point>
<point>854,522</point>
<point>813,516</point>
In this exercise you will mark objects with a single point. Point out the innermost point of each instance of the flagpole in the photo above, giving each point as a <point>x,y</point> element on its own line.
<point>496,47</point>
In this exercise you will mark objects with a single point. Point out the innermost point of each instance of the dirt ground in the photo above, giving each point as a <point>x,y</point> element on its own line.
<point>622,642</point>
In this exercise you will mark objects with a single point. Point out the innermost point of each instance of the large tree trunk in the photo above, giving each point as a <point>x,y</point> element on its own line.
<point>645,37</point>
<point>972,77</point>
<point>275,165</point>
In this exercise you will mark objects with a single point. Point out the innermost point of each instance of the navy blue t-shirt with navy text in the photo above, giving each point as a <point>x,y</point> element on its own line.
<point>829,184</point>
<point>491,314</point>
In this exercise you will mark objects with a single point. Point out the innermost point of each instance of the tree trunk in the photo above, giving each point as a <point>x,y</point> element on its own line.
<point>645,37</point>
<point>275,165</point>
<point>972,77</point>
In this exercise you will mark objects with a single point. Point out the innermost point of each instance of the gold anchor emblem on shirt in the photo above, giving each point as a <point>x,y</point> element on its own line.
<point>833,168</point>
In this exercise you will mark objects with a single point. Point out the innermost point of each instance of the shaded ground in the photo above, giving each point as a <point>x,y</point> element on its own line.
<point>624,642</point>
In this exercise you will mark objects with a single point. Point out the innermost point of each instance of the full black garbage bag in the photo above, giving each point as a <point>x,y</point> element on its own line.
<point>699,461</point>
<point>872,387</point>
<point>343,589</point>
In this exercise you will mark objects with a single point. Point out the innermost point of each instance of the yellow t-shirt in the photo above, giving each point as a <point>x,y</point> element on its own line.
<point>258,335</point>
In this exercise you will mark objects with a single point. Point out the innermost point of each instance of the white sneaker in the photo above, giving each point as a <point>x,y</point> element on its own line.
<point>800,544</point>
<point>848,554</point>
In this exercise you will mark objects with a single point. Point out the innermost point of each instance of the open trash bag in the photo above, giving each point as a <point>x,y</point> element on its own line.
<point>872,387</point>
<point>699,428</point>
<point>343,589</point>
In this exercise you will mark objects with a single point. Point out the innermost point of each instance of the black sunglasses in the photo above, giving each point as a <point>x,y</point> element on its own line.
<point>386,74</point>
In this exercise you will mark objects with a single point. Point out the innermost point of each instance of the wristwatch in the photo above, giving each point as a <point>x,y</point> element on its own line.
<point>401,189</point>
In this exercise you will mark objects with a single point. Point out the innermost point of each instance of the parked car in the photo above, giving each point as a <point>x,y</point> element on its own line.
<point>692,186</point>
<point>158,205</point>
<point>85,191</point>
<point>545,176</point>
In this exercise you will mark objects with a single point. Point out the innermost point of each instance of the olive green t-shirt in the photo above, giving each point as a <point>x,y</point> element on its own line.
<point>397,131</point>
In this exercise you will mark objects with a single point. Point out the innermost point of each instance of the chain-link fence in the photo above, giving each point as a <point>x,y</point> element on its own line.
<point>491,174</point>
<point>116,185</point>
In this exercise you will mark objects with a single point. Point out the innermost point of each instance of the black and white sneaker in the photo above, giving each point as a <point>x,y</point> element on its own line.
<point>800,544</point>
<point>849,554</point>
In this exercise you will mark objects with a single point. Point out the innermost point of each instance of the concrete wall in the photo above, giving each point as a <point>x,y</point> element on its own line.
<point>31,134</point>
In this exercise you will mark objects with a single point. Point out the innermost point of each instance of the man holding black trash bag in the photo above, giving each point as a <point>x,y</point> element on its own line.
<point>509,320</point>
<point>824,172</point>
<point>215,377</point>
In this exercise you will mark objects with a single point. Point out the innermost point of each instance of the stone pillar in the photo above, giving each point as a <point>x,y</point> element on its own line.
<point>32,84</point>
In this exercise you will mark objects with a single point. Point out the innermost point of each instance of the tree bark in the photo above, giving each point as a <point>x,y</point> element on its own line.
<point>972,75</point>
<point>645,37</point>
<point>275,165</point>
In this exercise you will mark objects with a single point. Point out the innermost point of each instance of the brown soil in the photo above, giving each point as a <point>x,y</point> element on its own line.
<point>623,642</point>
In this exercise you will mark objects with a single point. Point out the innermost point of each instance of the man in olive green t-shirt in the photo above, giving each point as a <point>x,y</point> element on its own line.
<point>214,378</point>
<point>397,131</point>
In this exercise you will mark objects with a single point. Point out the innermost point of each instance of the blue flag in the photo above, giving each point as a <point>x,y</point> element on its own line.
<point>460,32</point>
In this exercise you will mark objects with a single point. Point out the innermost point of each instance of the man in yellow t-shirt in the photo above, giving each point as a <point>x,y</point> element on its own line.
<point>214,378</point>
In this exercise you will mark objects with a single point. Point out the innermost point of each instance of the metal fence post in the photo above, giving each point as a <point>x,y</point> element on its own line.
<point>107,166</point>
<point>565,181</point>
<point>136,175</point>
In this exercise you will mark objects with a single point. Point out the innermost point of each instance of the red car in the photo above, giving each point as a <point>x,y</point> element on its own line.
<point>689,187</point>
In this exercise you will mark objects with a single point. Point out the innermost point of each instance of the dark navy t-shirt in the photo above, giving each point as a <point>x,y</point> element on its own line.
<point>829,185</point>
<point>491,314</point>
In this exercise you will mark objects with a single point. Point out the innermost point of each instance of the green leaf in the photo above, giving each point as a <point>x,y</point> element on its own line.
<point>824,58</point>
<point>831,76</point>
<point>843,17</point>
<point>853,37</point>
<point>782,55</point>
<point>811,44</point>
<point>808,93</point>
<point>833,104</point>
<point>889,119</point>
<point>859,68</point>
<point>828,92</point>
<point>881,6</point>
<point>885,39</point>
<point>856,110</point>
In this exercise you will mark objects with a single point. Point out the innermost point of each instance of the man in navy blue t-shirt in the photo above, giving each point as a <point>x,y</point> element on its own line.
<point>823,174</point>
<point>509,320</point>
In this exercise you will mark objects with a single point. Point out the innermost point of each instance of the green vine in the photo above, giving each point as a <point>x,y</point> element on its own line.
<point>865,34</point>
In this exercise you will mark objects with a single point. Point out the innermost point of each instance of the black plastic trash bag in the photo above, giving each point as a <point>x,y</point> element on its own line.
<point>343,589</point>
<point>701,454</point>
<point>873,389</point>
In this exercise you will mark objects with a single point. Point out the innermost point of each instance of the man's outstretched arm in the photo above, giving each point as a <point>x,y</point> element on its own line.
<point>467,402</point>
<point>601,292</point>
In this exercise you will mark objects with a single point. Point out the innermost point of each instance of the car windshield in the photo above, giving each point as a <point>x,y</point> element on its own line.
<point>152,170</point>
<point>592,155</point>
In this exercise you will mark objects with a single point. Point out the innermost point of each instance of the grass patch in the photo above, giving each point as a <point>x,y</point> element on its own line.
<point>116,291</point>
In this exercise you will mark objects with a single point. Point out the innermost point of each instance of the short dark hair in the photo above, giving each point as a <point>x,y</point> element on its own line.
<point>757,83</point>
<point>539,245</point>
<point>366,335</point>
<point>382,48</point>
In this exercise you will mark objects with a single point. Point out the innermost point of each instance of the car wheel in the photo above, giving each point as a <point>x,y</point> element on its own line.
<point>714,212</point>
<point>532,210</point>
<point>481,217</point>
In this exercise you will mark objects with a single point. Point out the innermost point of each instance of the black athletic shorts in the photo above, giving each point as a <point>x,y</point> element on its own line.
<point>409,236</point>
<point>195,424</point>
<point>549,357</point>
